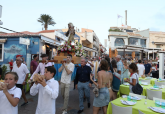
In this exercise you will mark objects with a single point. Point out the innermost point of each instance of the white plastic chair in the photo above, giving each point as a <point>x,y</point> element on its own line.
<point>151,94</point>
<point>163,86</point>
<point>161,100</point>
<point>140,112</point>
<point>148,81</point>
<point>140,96</point>
<point>120,110</point>
<point>159,83</point>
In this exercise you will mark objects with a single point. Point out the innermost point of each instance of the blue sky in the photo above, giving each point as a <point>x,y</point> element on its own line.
<point>98,15</point>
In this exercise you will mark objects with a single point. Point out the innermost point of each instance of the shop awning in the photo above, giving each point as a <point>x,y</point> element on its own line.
<point>89,49</point>
<point>49,40</point>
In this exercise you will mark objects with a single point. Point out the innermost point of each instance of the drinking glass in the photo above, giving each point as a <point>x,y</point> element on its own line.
<point>140,82</point>
<point>157,103</point>
<point>163,105</point>
<point>129,98</point>
<point>134,99</point>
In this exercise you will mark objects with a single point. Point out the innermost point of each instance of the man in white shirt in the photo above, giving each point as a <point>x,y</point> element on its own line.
<point>41,67</point>
<point>67,70</point>
<point>22,72</point>
<point>89,63</point>
<point>141,68</point>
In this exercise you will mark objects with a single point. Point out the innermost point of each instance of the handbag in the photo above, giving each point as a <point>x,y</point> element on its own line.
<point>96,91</point>
<point>137,89</point>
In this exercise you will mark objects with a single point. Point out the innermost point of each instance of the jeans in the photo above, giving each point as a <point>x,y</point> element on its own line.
<point>83,87</point>
<point>65,88</point>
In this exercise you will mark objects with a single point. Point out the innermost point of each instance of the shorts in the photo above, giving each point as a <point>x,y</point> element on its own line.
<point>19,86</point>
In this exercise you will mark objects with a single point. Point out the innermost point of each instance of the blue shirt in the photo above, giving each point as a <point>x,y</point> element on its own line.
<point>83,74</point>
<point>147,68</point>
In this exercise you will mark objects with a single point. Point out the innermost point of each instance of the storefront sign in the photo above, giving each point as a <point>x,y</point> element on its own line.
<point>24,41</point>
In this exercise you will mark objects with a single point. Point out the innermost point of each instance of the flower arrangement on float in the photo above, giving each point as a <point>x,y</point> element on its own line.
<point>71,47</point>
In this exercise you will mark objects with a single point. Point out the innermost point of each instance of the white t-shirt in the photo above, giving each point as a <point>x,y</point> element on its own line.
<point>46,96</point>
<point>5,105</point>
<point>134,76</point>
<point>141,69</point>
<point>21,72</point>
<point>153,69</point>
<point>88,63</point>
<point>65,78</point>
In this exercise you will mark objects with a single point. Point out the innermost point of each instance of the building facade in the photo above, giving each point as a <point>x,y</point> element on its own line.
<point>121,37</point>
<point>91,40</point>
<point>157,40</point>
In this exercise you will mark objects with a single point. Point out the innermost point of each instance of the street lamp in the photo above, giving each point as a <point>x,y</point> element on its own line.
<point>153,42</point>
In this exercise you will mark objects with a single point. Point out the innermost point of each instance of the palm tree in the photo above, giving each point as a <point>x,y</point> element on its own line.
<point>46,20</point>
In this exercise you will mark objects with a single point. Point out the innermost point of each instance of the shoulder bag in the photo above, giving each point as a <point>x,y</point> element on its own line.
<point>137,89</point>
<point>96,91</point>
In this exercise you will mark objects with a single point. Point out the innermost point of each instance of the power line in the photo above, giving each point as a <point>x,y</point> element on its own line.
<point>14,31</point>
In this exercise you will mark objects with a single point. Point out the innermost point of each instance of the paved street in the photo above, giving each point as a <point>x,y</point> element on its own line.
<point>72,108</point>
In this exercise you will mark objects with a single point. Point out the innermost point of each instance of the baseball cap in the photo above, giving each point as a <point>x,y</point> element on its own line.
<point>19,56</point>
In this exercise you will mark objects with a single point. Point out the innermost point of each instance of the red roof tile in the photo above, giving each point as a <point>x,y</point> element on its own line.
<point>26,33</point>
<point>47,31</point>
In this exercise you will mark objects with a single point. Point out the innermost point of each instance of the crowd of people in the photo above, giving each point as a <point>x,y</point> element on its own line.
<point>104,73</point>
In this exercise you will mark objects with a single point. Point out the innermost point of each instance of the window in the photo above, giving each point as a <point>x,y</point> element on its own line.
<point>143,42</point>
<point>58,39</point>
<point>157,46</point>
<point>134,41</point>
<point>1,51</point>
<point>119,42</point>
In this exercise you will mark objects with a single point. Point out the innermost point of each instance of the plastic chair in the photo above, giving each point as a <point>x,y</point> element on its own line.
<point>148,81</point>
<point>159,83</point>
<point>161,100</point>
<point>151,94</point>
<point>140,112</point>
<point>140,96</point>
<point>120,110</point>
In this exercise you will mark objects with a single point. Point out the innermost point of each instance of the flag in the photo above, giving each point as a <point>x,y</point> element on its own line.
<point>119,16</point>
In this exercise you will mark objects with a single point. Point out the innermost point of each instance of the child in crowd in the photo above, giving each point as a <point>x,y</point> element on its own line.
<point>47,90</point>
<point>10,94</point>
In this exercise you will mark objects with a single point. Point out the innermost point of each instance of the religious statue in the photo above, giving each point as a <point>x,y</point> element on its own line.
<point>71,32</point>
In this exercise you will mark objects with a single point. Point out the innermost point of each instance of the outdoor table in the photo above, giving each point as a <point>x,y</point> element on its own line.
<point>138,106</point>
<point>152,81</point>
<point>125,90</point>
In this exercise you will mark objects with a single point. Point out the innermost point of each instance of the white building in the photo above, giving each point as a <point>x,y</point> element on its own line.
<point>121,37</point>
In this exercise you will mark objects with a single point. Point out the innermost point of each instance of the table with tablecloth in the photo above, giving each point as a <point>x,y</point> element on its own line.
<point>58,74</point>
<point>124,90</point>
<point>138,106</point>
<point>152,81</point>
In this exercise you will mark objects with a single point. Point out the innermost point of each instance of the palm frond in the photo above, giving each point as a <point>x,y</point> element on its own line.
<point>46,20</point>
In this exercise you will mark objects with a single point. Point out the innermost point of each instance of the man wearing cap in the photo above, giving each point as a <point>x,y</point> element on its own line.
<point>22,72</point>
<point>41,66</point>
<point>16,58</point>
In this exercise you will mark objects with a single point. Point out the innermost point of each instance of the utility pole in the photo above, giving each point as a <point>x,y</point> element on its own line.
<point>1,23</point>
<point>125,17</point>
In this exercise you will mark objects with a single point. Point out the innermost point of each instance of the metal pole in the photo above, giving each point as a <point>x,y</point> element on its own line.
<point>153,54</point>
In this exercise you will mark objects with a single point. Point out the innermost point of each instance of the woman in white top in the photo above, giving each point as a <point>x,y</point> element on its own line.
<point>134,77</point>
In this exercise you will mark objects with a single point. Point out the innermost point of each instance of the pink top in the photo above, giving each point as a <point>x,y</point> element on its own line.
<point>41,68</point>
